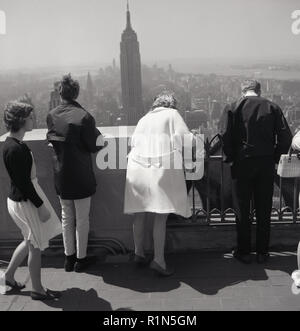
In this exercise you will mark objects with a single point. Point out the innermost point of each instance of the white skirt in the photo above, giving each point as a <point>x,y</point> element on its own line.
<point>26,217</point>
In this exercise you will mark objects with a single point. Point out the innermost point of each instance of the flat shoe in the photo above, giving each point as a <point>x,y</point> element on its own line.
<point>243,258</point>
<point>50,295</point>
<point>161,271</point>
<point>15,286</point>
<point>141,261</point>
<point>83,264</point>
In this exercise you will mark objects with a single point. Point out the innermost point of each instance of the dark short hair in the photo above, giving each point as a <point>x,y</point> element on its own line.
<point>165,99</point>
<point>250,85</point>
<point>69,88</point>
<point>15,114</point>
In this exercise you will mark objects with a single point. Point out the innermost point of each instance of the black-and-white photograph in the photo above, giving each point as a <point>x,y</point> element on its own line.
<point>150,158</point>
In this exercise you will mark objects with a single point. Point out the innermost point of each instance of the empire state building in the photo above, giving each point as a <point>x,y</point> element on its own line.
<point>131,78</point>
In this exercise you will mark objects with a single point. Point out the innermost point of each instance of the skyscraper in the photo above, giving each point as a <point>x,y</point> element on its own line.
<point>131,77</point>
<point>54,97</point>
<point>89,93</point>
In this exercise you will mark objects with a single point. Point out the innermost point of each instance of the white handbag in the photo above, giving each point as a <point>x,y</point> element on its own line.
<point>289,165</point>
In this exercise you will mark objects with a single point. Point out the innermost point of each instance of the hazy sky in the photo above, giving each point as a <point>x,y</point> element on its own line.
<point>72,32</point>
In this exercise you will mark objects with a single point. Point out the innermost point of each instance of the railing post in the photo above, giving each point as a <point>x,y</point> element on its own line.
<point>222,189</point>
<point>251,210</point>
<point>280,198</point>
<point>208,191</point>
<point>194,204</point>
<point>295,201</point>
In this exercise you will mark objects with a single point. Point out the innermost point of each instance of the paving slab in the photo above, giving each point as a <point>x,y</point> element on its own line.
<point>202,282</point>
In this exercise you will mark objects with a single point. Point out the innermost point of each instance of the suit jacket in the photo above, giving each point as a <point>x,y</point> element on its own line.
<point>253,127</point>
<point>73,134</point>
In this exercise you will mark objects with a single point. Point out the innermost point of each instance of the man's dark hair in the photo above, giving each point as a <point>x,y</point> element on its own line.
<point>69,88</point>
<point>15,114</point>
<point>251,85</point>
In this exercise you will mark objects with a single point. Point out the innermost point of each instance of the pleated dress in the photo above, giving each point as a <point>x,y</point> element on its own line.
<point>25,216</point>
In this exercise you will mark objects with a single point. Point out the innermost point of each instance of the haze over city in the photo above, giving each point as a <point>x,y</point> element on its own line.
<point>200,50</point>
<point>76,32</point>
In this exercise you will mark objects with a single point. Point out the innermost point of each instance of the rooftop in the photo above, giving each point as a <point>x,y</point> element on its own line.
<point>203,281</point>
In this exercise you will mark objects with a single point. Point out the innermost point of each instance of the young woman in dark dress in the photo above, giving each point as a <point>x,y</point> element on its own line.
<point>27,203</point>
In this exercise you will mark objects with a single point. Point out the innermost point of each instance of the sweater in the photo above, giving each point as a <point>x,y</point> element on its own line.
<point>73,134</point>
<point>18,162</point>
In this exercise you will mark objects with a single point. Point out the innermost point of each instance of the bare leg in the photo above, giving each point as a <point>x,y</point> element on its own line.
<point>298,256</point>
<point>159,237</point>
<point>139,233</point>
<point>34,264</point>
<point>18,257</point>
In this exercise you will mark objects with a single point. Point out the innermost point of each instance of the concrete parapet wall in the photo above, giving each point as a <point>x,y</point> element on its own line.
<point>107,218</point>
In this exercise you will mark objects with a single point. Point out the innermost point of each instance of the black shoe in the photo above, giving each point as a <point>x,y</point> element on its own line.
<point>15,285</point>
<point>82,264</point>
<point>49,295</point>
<point>141,261</point>
<point>243,258</point>
<point>70,262</point>
<point>262,258</point>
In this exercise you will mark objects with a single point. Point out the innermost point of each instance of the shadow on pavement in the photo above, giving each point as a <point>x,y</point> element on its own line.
<point>206,274</point>
<point>73,299</point>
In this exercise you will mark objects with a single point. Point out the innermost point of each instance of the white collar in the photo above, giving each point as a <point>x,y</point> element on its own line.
<point>250,94</point>
<point>158,109</point>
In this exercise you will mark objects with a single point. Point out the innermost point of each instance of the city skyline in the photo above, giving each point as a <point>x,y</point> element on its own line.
<point>65,33</point>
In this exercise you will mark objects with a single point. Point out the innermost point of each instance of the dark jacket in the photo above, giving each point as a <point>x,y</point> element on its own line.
<point>73,134</point>
<point>18,162</point>
<point>254,127</point>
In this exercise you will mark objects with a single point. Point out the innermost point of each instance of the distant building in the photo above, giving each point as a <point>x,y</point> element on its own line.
<point>171,73</point>
<point>114,65</point>
<point>196,118</point>
<point>215,110</point>
<point>106,118</point>
<point>54,97</point>
<point>199,103</point>
<point>277,99</point>
<point>131,78</point>
<point>90,93</point>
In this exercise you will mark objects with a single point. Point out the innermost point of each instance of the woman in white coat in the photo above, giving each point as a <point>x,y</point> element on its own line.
<point>155,181</point>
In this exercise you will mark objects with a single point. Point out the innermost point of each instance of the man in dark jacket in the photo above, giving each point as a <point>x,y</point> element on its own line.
<point>73,135</point>
<point>255,134</point>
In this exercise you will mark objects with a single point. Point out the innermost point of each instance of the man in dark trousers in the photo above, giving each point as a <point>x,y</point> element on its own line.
<point>73,135</point>
<point>255,134</point>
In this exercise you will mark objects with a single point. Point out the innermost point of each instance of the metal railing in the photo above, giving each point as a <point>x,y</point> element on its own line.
<point>282,213</point>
